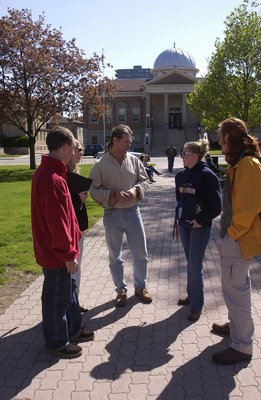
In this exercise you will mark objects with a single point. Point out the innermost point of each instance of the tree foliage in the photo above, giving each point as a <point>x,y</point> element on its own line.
<point>43,76</point>
<point>232,84</point>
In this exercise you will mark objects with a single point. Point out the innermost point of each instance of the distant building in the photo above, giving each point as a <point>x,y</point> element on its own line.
<point>136,72</point>
<point>155,108</point>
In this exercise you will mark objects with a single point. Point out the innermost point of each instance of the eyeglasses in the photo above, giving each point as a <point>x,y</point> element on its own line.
<point>185,153</point>
<point>80,149</point>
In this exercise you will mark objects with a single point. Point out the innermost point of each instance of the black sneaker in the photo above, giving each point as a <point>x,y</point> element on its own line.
<point>70,351</point>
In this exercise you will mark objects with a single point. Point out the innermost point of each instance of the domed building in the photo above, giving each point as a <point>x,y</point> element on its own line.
<point>174,58</point>
<point>155,108</point>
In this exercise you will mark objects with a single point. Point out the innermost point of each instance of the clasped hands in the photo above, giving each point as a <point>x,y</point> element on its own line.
<point>124,197</point>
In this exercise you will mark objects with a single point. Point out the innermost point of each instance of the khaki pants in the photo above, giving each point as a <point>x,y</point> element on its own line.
<point>236,287</point>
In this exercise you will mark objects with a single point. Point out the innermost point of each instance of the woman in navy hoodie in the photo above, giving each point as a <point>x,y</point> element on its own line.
<point>198,195</point>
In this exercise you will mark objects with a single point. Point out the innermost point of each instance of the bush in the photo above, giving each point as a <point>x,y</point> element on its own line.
<point>15,141</point>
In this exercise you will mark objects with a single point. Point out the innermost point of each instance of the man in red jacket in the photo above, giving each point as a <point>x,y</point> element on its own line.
<point>56,235</point>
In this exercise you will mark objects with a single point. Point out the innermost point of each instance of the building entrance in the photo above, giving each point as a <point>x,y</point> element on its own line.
<point>174,120</point>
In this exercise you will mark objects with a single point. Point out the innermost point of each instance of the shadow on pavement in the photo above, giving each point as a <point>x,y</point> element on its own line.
<point>22,358</point>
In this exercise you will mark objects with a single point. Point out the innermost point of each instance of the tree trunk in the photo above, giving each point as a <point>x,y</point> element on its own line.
<point>32,152</point>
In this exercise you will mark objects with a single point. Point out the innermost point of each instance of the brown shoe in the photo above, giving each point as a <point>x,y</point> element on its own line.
<point>143,294</point>
<point>221,328</point>
<point>70,351</point>
<point>83,309</point>
<point>230,356</point>
<point>194,316</point>
<point>121,298</point>
<point>85,336</point>
<point>184,302</point>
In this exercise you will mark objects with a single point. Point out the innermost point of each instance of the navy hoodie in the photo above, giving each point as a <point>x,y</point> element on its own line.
<point>198,194</point>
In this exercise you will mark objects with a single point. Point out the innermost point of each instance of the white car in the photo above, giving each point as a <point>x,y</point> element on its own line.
<point>100,154</point>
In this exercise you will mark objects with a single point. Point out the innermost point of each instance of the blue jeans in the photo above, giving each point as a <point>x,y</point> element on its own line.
<point>116,222</point>
<point>60,308</point>
<point>170,163</point>
<point>195,241</point>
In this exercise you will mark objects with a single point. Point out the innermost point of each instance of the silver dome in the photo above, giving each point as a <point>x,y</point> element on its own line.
<point>174,57</point>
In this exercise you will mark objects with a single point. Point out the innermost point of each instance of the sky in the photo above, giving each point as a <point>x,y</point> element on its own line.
<point>135,32</point>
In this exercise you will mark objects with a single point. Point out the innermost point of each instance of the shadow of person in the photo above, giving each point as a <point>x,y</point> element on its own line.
<point>22,358</point>
<point>107,318</point>
<point>143,347</point>
<point>201,378</point>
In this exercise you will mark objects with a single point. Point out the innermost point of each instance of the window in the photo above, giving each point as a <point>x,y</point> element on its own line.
<point>93,119</point>
<point>121,112</point>
<point>94,140</point>
<point>135,112</point>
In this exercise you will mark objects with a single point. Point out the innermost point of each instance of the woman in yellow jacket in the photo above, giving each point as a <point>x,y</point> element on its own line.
<point>240,236</point>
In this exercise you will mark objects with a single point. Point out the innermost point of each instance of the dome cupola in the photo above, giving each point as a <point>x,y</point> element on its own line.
<point>174,58</point>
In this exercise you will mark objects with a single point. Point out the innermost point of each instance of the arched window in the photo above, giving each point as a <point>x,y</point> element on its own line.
<point>135,112</point>
<point>122,112</point>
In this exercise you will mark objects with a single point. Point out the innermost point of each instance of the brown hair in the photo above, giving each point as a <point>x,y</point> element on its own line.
<point>238,139</point>
<point>200,147</point>
<point>57,137</point>
<point>118,131</point>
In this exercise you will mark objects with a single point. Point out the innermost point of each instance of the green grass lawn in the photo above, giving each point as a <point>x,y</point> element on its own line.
<point>215,152</point>
<point>16,247</point>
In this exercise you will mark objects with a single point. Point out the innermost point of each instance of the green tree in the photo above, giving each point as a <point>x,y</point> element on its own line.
<point>232,84</point>
<point>42,76</point>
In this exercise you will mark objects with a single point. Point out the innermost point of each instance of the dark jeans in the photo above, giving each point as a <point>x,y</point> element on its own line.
<point>60,308</point>
<point>195,241</point>
<point>170,163</point>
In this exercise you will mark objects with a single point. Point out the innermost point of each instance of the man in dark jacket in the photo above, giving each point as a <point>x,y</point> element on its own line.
<point>171,153</point>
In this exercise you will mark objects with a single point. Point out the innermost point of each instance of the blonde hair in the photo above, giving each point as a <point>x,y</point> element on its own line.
<point>201,147</point>
<point>73,166</point>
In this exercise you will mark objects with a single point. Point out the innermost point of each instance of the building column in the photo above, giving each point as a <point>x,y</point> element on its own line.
<point>166,110</point>
<point>184,110</point>
<point>147,110</point>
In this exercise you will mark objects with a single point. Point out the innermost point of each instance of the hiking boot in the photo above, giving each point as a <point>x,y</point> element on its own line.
<point>143,294</point>
<point>70,351</point>
<point>230,356</point>
<point>184,302</point>
<point>85,336</point>
<point>194,316</point>
<point>121,298</point>
<point>221,328</point>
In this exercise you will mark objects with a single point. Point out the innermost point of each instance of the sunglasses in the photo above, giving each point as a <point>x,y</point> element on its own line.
<point>185,153</point>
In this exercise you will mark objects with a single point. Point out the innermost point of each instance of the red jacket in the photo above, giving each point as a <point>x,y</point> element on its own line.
<point>54,225</point>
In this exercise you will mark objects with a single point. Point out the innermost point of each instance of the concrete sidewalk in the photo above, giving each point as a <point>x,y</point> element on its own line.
<point>140,352</point>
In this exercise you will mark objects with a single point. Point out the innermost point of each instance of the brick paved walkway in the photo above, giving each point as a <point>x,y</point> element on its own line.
<point>140,352</point>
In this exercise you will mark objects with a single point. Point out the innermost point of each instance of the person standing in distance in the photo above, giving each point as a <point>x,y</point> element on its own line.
<point>56,236</point>
<point>240,236</point>
<point>171,153</point>
<point>119,183</point>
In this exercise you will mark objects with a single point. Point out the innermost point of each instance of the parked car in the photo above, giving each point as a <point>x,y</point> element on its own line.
<point>92,149</point>
<point>100,153</point>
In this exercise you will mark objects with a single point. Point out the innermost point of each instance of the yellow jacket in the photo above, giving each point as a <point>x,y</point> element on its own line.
<point>245,226</point>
